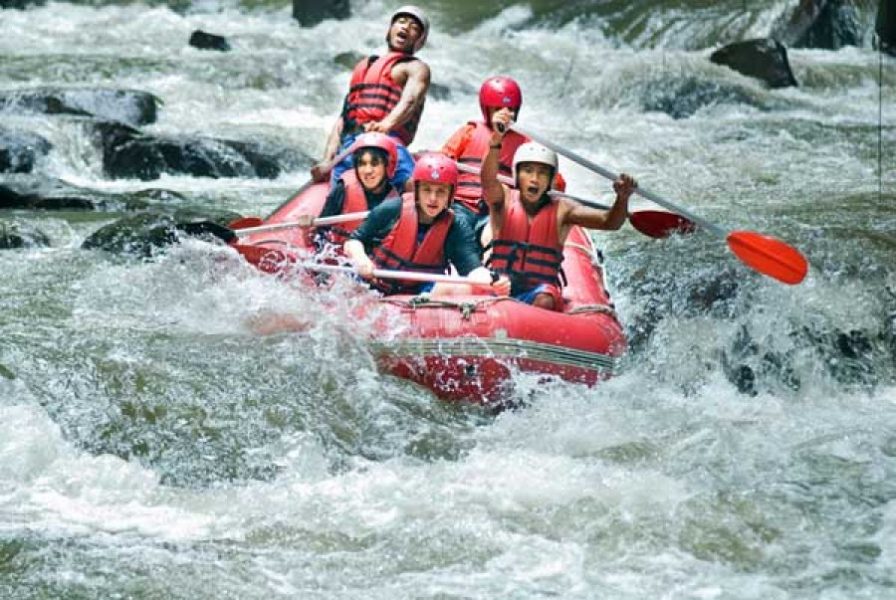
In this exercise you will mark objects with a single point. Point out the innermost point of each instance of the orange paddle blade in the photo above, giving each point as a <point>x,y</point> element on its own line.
<point>243,222</point>
<point>660,223</point>
<point>769,256</point>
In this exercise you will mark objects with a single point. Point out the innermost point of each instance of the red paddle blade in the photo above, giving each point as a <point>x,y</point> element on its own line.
<point>769,256</point>
<point>246,222</point>
<point>660,223</point>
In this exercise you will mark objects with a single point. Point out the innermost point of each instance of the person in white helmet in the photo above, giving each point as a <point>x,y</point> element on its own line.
<point>386,95</point>
<point>528,227</point>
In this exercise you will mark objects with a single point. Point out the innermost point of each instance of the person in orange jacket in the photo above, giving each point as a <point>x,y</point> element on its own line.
<point>469,144</point>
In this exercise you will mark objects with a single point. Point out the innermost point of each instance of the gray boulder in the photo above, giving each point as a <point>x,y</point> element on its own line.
<point>132,107</point>
<point>129,154</point>
<point>18,234</point>
<point>24,192</point>
<point>885,26</point>
<point>145,233</point>
<point>828,24</point>
<point>209,41</point>
<point>763,58</point>
<point>311,12</point>
<point>20,150</point>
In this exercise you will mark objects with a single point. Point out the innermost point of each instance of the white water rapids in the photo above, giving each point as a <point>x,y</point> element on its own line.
<point>152,447</point>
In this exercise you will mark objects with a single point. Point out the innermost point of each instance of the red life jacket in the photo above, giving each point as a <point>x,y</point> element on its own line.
<point>373,94</point>
<point>400,250</point>
<point>529,252</point>
<point>355,201</point>
<point>469,185</point>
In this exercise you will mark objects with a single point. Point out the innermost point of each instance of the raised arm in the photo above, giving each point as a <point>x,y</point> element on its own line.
<point>493,191</point>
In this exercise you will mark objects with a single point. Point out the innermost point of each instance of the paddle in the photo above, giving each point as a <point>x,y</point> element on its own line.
<point>652,223</point>
<point>390,274</point>
<point>231,234</point>
<point>768,255</point>
<point>245,223</point>
<point>344,218</point>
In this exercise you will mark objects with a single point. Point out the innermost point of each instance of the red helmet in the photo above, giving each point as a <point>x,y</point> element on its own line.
<point>374,139</point>
<point>435,167</point>
<point>498,92</point>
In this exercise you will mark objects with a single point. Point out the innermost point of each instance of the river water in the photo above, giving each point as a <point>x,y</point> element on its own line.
<point>151,446</point>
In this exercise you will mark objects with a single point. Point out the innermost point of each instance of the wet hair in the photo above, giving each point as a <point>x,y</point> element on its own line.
<point>376,153</point>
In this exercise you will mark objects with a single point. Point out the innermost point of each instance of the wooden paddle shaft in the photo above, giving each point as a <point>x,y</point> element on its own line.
<point>346,218</point>
<point>390,274</point>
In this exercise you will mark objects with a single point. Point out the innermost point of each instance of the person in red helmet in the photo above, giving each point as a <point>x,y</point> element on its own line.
<point>528,228</point>
<point>363,188</point>
<point>418,232</point>
<point>386,95</point>
<point>469,145</point>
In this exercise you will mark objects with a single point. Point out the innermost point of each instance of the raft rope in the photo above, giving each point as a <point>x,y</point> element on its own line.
<point>466,308</point>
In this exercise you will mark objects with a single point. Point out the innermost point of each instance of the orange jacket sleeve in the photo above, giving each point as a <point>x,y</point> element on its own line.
<point>456,144</point>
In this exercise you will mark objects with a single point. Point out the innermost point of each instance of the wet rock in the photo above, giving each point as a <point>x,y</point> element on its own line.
<point>885,26</point>
<point>437,91</point>
<point>143,234</point>
<point>744,378</point>
<point>348,59</point>
<point>132,107</point>
<point>133,156</point>
<point>6,373</point>
<point>682,97</point>
<point>17,234</point>
<point>209,41</point>
<point>20,4</point>
<point>311,12</point>
<point>20,150</point>
<point>853,344</point>
<point>828,24</point>
<point>764,59</point>
<point>751,366</point>
<point>34,193</point>
<point>713,295</point>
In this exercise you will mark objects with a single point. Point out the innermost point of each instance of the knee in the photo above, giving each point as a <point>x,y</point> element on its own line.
<point>545,301</point>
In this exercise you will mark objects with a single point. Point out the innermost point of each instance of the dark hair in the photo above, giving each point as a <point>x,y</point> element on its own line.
<point>375,152</point>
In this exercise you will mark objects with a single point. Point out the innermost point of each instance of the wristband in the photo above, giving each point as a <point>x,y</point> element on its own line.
<point>498,147</point>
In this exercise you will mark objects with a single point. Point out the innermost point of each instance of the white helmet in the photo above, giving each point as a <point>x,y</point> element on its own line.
<point>534,152</point>
<point>417,13</point>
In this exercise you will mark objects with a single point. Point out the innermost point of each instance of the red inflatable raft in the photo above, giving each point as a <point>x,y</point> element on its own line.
<point>467,347</point>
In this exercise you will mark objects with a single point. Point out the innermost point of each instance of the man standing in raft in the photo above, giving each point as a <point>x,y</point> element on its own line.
<point>418,232</point>
<point>363,188</point>
<point>386,95</point>
<point>528,227</point>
